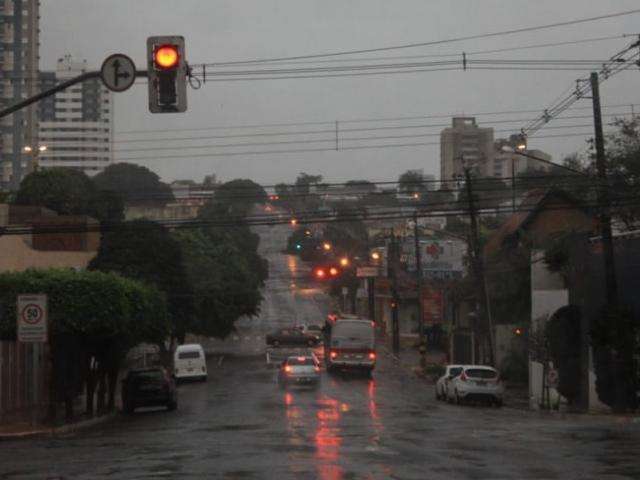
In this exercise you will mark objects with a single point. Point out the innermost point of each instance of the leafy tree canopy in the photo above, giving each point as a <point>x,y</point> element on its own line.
<point>412,181</point>
<point>68,192</point>
<point>239,196</point>
<point>126,310</point>
<point>135,184</point>
<point>146,251</point>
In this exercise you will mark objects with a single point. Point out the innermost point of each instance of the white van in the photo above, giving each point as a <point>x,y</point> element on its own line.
<point>189,362</point>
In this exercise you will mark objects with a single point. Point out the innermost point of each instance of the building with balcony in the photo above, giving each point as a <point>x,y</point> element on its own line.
<point>76,125</point>
<point>19,59</point>
<point>465,143</point>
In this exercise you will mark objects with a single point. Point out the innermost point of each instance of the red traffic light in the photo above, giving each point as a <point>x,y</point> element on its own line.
<point>320,273</point>
<point>166,57</point>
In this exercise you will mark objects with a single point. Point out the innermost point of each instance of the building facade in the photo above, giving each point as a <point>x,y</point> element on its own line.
<point>465,143</point>
<point>19,59</point>
<point>76,125</point>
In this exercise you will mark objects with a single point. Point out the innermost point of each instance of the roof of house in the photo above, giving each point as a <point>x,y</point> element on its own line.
<point>533,203</point>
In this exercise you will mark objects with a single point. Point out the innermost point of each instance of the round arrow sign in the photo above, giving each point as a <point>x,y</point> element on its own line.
<point>118,72</point>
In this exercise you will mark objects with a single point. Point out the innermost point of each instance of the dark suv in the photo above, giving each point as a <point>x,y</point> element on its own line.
<point>148,387</point>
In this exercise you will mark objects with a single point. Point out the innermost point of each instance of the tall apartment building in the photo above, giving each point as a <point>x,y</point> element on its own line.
<point>76,125</point>
<point>19,58</point>
<point>465,143</point>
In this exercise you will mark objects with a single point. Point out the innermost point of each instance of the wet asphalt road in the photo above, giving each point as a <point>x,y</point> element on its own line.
<point>242,425</point>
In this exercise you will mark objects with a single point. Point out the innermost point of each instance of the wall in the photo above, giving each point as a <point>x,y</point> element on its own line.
<point>18,256</point>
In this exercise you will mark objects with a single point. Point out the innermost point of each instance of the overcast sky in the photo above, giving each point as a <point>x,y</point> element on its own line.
<point>228,30</point>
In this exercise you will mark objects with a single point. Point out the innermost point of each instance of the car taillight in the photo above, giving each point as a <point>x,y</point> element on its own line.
<point>316,368</point>
<point>372,355</point>
<point>288,368</point>
<point>463,377</point>
<point>334,354</point>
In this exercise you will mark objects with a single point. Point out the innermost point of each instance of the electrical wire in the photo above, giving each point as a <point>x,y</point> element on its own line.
<point>438,42</point>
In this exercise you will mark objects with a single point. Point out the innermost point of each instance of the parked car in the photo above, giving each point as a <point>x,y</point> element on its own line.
<point>189,362</point>
<point>442,385</point>
<point>476,383</point>
<point>303,370</point>
<point>313,331</point>
<point>290,336</point>
<point>148,387</point>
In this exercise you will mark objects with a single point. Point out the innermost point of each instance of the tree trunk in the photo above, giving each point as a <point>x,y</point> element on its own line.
<point>90,385</point>
<point>102,389</point>
<point>113,383</point>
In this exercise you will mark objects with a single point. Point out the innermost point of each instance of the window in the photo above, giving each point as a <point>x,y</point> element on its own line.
<point>188,355</point>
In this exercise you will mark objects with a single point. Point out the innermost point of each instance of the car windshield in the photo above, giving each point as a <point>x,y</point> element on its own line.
<point>202,191</point>
<point>481,373</point>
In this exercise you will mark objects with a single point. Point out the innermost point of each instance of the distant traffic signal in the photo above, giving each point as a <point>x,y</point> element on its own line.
<point>167,72</point>
<point>326,272</point>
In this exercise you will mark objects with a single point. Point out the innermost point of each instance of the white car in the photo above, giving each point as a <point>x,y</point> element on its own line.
<point>476,383</point>
<point>442,385</point>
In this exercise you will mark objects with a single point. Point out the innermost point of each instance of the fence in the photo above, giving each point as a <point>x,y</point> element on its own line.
<point>24,392</point>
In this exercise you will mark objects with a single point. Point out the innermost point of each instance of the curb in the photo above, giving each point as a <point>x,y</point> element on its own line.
<point>61,430</point>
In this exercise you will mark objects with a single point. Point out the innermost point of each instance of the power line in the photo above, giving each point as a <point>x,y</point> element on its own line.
<point>437,42</point>
<point>309,150</point>
<point>357,120</point>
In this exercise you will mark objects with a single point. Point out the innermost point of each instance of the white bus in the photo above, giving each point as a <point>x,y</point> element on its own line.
<point>352,345</point>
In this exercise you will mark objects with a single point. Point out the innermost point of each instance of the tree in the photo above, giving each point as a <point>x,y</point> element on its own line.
<point>239,196</point>
<point>563,333</point>
<point>146,251</point>
<point>135,184</point>
<point>412,181</point>
<point>87,329</point>
<point>225,287</point>
<point>68,192</point>
<point>304,181</point>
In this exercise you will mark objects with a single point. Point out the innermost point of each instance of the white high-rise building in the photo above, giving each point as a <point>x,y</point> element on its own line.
<point>19,57</point>
<point>465,143</point>
<point>76,125</point>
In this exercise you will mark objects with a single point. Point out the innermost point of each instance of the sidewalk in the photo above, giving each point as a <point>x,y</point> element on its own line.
<point>19,431</point>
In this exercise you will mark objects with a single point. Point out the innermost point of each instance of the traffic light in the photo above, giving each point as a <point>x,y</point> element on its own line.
<point>167,72</point>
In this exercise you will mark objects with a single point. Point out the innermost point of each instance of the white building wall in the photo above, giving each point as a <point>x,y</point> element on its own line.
<point>71,141</point>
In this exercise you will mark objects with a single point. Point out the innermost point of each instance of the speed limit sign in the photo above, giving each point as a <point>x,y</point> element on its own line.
<point>32,318</point>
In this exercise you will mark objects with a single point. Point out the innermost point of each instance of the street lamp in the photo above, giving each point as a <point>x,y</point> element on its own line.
<point>326,246</point>
<point>375,256</point>
<point>34,152</point>
<point>344,262</point>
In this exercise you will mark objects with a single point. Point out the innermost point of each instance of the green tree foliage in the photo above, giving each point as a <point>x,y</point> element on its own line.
<point>68,192</point>
<point>146,251</point>
<point>348,233</point>
<point>563,339</point>
<point>225,286</point>
<point>135,184</point>
<point>411,182</point>
<point>239,196</point>
<point>94,319</point>
<point>304,182</point>
<point>615,338</point>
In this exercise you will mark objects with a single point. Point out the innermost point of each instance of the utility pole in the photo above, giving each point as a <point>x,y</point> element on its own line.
<point>604,199</point>
<point>392,272</point>
<point>478,269</point>
<point>419,278</point>
<point>621,358</point>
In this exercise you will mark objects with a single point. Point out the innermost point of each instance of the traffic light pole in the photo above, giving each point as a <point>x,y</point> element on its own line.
<point>393,266</point>
<point>52,91</point>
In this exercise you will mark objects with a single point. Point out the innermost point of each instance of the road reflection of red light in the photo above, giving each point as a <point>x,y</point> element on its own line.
<point>373,407</point>
<point>328,440</point>
<point>288,399</point>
